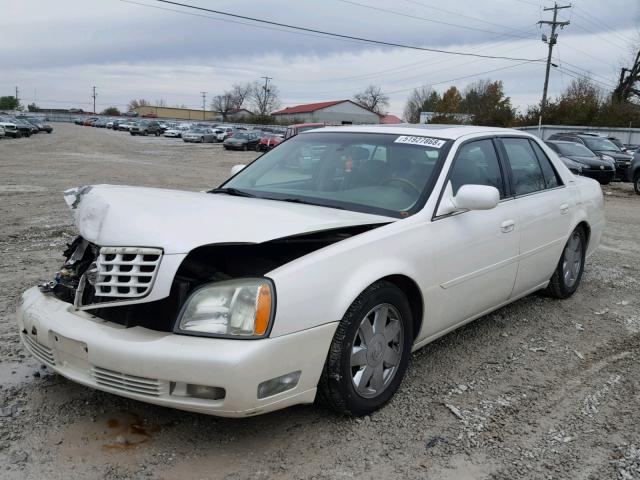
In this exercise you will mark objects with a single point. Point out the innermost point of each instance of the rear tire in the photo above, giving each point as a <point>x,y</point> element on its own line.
<point>566,279</point>
<point>636,183</point>
<point>369,352</point>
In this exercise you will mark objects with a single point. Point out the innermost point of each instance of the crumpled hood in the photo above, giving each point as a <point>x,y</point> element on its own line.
<point>179,221</point>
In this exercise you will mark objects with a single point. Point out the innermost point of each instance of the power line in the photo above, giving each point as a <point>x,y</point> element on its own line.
<point>349,37</point>
<point>430,20</point>
<point>466,16</point>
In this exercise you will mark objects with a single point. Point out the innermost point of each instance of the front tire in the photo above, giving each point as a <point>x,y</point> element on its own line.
<point>369,352</point>
<point>568,274</point>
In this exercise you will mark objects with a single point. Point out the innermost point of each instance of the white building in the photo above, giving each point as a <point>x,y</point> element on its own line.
<point>338,112</point>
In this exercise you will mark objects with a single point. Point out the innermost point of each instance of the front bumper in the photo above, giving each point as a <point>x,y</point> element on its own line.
<point>142,364</point>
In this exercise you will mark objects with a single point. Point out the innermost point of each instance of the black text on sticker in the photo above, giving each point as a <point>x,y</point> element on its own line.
<point>426,141</point>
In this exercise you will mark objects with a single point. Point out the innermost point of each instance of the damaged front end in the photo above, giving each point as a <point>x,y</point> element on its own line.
<point>93,277</point>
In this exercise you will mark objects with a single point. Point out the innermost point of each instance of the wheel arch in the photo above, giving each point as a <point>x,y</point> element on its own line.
<point>410,288</point>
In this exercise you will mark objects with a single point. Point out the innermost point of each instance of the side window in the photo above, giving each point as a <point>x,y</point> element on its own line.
<point>527,174</point>
<point>477,164</point>
<point>550,174</point>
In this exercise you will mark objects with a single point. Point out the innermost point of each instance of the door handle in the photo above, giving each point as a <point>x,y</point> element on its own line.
<point>564,208</point>
<point>507,226</point>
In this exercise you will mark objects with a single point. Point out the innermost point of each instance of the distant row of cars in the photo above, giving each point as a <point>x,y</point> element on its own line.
<point>232,137</point>
<point>18,126</point>
<point>603,158</point>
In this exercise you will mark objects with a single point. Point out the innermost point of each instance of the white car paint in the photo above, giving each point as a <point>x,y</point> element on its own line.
<point>464,264</point>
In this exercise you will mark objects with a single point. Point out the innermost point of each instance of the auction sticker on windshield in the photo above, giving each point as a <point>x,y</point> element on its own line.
<point>426,141</point>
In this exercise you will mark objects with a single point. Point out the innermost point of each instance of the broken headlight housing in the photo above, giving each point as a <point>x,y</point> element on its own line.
<point>239,308</point>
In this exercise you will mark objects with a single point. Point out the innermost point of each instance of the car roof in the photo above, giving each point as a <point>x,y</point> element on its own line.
<point>437,130</point>
<point>563,142</point>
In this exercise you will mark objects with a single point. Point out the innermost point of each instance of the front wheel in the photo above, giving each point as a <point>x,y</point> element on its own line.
<point>636,183</point>
<point>369,352</point>
<point>566,278</point>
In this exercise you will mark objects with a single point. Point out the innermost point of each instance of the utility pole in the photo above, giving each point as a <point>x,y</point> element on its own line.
<point>204,103</point>
<point>94,99</point>
<point>551,41</point>
<point>265,102</point>
<point>17,98</point>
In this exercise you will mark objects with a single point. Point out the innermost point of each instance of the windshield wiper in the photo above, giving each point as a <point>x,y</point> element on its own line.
<point>305,202</point>
<point>232,191</point>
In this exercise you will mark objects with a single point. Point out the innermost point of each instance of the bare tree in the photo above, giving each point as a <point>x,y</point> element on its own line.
<point>223,104</point>
<point>133,104</point>
<point>264,100</point>
<point>240,93</point>
<point>373,98</point>
<point>421,99</point>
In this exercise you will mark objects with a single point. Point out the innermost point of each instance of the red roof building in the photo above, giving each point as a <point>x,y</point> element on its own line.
<point>337,112</point>
<point>390,119</point>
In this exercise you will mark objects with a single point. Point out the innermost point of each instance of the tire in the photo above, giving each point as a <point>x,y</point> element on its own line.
<point>568,274</point>
<point>636,183</point>
<point>604,182</point>
<point>144,133</point>
<point>132,134</point>
<point>337,386</point>
<point>257,147</point>
<point>244,148</point>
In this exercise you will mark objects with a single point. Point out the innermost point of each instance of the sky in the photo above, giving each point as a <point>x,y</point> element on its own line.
<point>56,51</point>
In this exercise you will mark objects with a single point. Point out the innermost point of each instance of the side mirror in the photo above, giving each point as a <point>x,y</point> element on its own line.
<point>236,169</point>
<point>469,197</point>
<point>476,197</point>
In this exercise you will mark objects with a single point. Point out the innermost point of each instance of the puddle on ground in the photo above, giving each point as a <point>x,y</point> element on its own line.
<point>125,431</point>
<point>13,374</point>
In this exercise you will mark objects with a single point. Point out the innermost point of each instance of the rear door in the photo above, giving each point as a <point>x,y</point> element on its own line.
<point>544,207</point>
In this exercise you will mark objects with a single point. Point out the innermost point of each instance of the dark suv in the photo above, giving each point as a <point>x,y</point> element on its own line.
<point>601,146</point>
<point>146,128</point>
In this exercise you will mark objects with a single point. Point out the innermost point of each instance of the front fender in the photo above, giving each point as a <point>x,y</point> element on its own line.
<point>319,288</point>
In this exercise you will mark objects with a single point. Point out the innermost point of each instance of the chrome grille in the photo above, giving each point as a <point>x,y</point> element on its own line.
<point>42,353</point>
<point>128,383</point>
<point>126,272</point>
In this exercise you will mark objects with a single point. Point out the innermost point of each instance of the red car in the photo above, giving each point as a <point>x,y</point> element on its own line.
<point>293,130</point>
<point>269,140</point>
<point>89,121</point>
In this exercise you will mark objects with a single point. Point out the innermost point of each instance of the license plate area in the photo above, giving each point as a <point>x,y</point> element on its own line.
<point>69,353</point>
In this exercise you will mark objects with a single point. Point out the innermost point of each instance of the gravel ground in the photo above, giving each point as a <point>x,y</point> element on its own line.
<point>539,389</point>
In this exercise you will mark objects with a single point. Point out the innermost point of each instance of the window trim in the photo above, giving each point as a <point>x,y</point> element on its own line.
<point>553,168</point>
<point>508,164</point>
<point>505,178</point>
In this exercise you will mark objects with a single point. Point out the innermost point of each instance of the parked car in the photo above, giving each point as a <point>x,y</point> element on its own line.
<point>78,120</point>
<point>100,123</point>
<point>269,141</point>
<point>173,132</point>
<point>76,110</point>
<point>294,130</point>
<point>2,134</point>
<point>631,147</point>
<point>199,135</point>
<point>89,121</point>
<point>301,277</point>
<point>25,128</point>
<point>634,172</point>
<point>582,161</point>
<point>145,128</point>
<point>602,147</point>
<point>223,133</point>
<point>10,128</point>
<point>242,141</point>
<point>125,126</point>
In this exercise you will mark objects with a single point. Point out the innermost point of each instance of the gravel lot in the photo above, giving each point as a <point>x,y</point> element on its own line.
<point>540,389</point>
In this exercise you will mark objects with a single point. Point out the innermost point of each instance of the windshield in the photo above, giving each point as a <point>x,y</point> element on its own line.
<point>367,172</point>
<point>595,143</point>
<point>575,149</point>
<point>617,143</point>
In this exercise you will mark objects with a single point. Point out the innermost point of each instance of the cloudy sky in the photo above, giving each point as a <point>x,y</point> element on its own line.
<point>55,51</point>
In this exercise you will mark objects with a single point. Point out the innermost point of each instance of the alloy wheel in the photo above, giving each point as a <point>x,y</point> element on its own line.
<point>572,260</point>
<point>376,350</point>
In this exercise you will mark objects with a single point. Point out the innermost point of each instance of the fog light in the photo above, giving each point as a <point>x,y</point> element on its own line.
<point>278,384</point>
<point>181,389</point>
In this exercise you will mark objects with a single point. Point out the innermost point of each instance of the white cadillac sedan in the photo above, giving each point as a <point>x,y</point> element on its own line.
<point>313,272</point>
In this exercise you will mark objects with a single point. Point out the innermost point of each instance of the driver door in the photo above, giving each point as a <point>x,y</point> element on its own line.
<point>477,260</point>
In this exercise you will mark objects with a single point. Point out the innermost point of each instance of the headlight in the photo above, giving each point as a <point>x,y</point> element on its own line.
<point>235,308</point>
<point>608,158</point>
<point>573,166</point>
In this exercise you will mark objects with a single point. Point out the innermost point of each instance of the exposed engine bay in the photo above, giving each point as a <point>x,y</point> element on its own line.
<point>75,282</point>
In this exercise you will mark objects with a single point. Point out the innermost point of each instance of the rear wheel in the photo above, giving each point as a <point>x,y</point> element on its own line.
<point>636,183</point>
<point>369,352</point>
<point>568,274</point>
